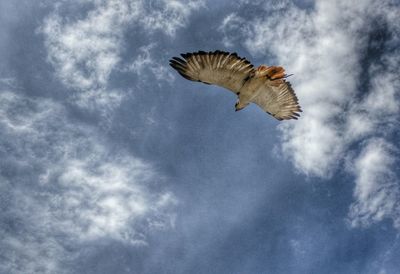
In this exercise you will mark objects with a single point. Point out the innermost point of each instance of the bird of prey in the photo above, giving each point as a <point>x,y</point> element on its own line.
<point>265,86</point>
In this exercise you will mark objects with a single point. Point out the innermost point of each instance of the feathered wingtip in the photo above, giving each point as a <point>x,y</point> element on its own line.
<point>180,66</point>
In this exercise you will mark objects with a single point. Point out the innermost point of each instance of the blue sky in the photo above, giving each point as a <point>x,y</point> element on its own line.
<point>113,163</point>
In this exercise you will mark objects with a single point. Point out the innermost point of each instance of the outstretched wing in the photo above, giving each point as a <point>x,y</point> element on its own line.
<point>220,68</point>
<point>277,98</point>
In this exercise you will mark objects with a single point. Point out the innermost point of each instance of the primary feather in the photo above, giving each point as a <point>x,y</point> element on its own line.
<point>264,86</point>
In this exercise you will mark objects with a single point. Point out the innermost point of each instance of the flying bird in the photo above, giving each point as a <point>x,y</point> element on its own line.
<point>265,86</point>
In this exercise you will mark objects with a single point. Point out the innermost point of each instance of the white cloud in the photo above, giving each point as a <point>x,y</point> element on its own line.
<point>323,47</point>
<point>377,193</point>
<point>84,51</point>
<point>167,15</point>
<point>66,183</point>
<point>145,63</point>
<point>27,253</point>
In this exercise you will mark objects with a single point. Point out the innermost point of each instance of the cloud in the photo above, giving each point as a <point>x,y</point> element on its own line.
<point>147,67</point>
<point>345,58</point>
<point>85,51</point>
<point>65,186</point>
<point>167,15</point>
<point>27,253</point>
<point>377,193</point>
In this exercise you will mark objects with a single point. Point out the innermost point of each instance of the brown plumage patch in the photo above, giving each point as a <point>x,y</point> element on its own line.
<point>274,72</point>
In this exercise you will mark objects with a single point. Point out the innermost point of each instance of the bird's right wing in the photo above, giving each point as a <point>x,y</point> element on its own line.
<point>277,97</point>
<point>220,68</point>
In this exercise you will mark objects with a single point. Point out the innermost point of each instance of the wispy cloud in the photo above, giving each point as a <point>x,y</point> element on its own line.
<point>377,191</point>
<point>344,57</point>
<point>147,67</point>
<point>68,187</point>
<point>84,51</point>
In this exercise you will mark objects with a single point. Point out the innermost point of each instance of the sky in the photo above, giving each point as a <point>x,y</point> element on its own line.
<point>110,162</point>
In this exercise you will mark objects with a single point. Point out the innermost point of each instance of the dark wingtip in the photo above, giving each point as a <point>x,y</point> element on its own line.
<point>177,65</point>
<point>180,66</point>
<point>186,55</point>
<point>179,60</point>
<point>185,76</point>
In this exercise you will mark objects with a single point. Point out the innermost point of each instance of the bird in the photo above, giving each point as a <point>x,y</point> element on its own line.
<point>266,86</point>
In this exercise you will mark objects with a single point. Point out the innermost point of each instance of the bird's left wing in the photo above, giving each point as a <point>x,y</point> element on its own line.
<point>277,98</point>
<point>220,68</point>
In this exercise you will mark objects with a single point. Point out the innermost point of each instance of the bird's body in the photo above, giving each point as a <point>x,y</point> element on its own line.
<point>249,90</point>
<point>264,86</point>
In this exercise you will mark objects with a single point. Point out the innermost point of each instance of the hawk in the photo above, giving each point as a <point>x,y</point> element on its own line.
<point>265,86</point>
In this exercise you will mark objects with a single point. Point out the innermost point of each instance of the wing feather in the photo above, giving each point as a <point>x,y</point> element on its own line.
<point>220,68</point>
<point>278,100</point>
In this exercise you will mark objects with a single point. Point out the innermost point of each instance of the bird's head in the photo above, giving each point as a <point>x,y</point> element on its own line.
<point>240,106</point>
